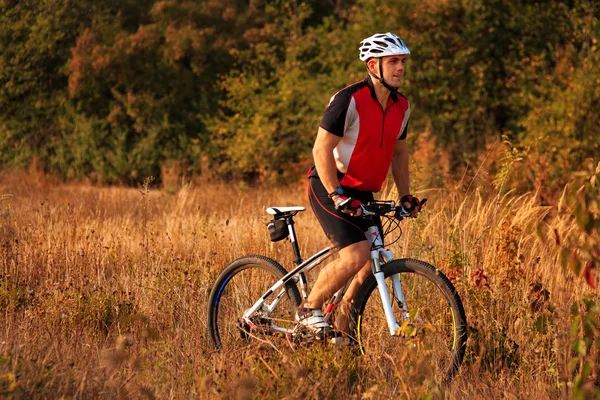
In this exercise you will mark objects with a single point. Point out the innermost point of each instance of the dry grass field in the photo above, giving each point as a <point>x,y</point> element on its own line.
<point>103,294</point>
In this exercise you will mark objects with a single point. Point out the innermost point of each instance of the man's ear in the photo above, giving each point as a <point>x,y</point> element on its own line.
<point>372,65</point>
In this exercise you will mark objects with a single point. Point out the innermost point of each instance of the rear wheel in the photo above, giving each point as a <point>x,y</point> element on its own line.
<point>433,324</point>
<point>239,286</point>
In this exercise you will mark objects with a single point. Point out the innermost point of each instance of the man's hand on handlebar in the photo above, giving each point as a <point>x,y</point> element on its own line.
<point>411,204</point>
<point>348,205</point>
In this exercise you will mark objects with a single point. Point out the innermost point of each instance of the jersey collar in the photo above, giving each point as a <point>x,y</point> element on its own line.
<point>369,82</point>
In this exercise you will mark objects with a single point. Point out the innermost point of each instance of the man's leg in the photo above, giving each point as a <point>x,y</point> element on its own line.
<point>360,277</point>
<point>335,274</point>
<point>358,280</point>
<point>342,311</point>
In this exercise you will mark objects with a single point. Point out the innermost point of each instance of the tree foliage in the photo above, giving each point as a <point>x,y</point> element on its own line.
<point>112,90</point>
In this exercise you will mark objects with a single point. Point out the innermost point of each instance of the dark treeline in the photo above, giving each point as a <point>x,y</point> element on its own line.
<point>116,90</point>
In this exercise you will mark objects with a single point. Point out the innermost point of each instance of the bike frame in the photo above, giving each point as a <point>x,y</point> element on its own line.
<point>298,274</point>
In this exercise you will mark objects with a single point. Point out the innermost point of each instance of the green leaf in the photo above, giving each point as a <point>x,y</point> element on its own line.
<point>407,329</point>
<point>575,325</point>
<point>586,370</point>
<point>412,313</point>
<point>579,347</point>
<point>572,364</point>
<point>591,305</point>
<point>541,324</point>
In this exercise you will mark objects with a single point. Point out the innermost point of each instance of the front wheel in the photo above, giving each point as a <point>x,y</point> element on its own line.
<point>433,325</point>
<point>241,284</point>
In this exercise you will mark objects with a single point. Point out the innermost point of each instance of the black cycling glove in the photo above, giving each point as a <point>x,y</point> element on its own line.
<point>415,204</point>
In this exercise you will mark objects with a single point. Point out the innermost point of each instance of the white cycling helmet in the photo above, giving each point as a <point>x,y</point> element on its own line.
<point>381,45</point>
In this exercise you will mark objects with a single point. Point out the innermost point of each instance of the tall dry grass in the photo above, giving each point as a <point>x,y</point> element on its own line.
<point>103,293</point>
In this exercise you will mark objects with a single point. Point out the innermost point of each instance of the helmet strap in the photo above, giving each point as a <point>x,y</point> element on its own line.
<point>380,78</point>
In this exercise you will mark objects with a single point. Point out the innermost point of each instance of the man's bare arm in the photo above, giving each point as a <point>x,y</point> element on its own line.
<point>324,161</point>
<point>400,168</point>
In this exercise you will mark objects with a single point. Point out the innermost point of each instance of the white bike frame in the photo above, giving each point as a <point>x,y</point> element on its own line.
<point>378,253</point>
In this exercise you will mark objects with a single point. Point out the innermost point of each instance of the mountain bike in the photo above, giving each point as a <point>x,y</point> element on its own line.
<point>414,309</point>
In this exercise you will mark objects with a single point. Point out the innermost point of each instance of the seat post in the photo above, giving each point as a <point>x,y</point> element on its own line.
<point>290,223</point>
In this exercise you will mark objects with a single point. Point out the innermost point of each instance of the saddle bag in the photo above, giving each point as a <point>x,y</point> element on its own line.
<point>278,230</point>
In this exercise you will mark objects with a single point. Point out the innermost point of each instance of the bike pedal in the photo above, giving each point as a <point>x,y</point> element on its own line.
<point>306,336</point>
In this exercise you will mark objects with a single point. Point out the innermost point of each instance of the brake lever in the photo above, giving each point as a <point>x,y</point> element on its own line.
<point>365,211</point>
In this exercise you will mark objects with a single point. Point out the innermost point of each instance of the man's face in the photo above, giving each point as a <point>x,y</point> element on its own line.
<point>393,69</point>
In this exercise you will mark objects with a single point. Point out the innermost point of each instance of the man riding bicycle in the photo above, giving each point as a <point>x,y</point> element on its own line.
<point>361,135</point>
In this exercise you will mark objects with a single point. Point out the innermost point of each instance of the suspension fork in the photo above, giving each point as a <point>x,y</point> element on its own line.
<point>399,295</point>
<point>377,251</point>
<point>385,297</point>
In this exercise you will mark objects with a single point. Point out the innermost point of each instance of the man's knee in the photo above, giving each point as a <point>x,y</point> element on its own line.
<point>355,256</point>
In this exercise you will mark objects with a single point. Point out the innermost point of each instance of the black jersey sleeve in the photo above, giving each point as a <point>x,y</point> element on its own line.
<point>334,118</point>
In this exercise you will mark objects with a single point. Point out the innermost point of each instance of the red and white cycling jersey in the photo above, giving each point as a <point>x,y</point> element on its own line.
<point>368,134</point>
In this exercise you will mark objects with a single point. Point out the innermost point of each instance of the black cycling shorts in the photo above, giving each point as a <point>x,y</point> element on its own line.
<point>341,228</point>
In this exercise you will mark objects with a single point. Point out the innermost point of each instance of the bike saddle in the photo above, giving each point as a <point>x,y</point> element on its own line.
<point>280,212</point>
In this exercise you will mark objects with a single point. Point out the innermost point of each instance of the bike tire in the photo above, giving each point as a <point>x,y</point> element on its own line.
<point>237,288</point>
<point>436,330</point>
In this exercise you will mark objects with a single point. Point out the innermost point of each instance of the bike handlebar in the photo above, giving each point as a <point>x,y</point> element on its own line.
<point>382,207</point>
